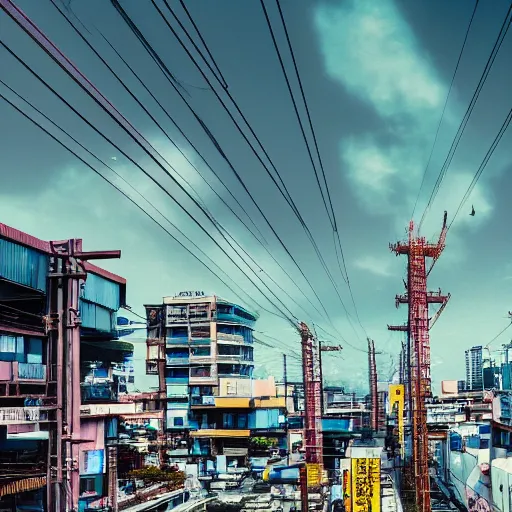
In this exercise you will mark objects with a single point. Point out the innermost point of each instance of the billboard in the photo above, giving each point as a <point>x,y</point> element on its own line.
<point>396,397</point>
<point>365,485</point>
<point>314,472</point>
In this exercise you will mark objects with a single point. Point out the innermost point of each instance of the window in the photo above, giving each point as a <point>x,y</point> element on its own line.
<point>178,332</point>
<point>228,420</point>
<point>178,422</point>
<point>201,351</point>
<point>200,371</point>
<point>242,421</point>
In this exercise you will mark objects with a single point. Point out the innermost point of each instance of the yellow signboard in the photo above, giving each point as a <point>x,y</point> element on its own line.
<point>396,396</point>
<point>365,485</point>
<point>314,474</point>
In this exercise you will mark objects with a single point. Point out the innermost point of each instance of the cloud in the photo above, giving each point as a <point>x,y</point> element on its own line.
<point>377,266</point>
<point>369,48</point>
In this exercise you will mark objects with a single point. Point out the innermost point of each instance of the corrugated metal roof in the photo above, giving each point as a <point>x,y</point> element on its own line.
<point>19,237</point>
<point>102,291</point>
<point>23,265</point>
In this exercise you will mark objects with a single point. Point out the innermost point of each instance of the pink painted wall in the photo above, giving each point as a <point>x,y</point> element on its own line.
<point>5,370</point>
<point>92,430</point>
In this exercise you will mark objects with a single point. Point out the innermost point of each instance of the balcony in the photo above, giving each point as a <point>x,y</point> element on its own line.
<point>172,360</point>
<point>20,415</point>
<point>98,392</point>
<point>31,371</point>
<point>230,338</point>
<point>208,401</point>
<point>177,340</point>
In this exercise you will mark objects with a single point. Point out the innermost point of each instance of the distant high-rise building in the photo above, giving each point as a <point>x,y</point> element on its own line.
<point>461,386</point>
<point>474,369</point>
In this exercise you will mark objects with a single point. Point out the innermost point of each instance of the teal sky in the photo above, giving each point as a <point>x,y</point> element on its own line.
<point>376,75</point>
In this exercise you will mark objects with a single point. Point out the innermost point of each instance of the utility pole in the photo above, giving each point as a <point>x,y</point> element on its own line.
<point>325,348</point>
<point>312,391</point>
<point>372,374</point>
<point>285,378</point>
<point>67,276</point>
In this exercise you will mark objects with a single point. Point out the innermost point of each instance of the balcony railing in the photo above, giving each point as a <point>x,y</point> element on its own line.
<point>105,391</point>
<point>31,371</point>
<point>19,415</point>
<point>233,338</point>
<point>176,361</point>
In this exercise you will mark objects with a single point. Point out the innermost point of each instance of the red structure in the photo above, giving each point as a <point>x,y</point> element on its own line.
<point>418,353</point>
<point>374,400</point>
<point>313,394</point>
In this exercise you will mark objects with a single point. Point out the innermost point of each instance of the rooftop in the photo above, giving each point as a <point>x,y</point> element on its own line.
<point>21,238</point>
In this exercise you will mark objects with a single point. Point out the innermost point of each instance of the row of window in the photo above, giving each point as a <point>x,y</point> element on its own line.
<point>205,371</point>
<point>22,349</point>
<point>222,350</point>
<point>203,331</point>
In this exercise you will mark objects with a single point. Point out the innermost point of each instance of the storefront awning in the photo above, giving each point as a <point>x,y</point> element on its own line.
<point>24,485</point>
<point>118,346</point>
<point>207,432</point>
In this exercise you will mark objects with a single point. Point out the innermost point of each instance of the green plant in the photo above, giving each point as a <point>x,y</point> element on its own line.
<point>264,442</point>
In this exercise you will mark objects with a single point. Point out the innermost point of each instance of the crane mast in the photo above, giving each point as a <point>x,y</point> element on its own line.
<point>417,357</point>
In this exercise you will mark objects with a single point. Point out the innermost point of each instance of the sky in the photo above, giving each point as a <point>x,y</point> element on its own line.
<point>376,76</point>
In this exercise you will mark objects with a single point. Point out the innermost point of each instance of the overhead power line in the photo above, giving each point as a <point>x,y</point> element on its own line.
<point>222,230</point>
<point>96,95</point>
<point>284,192</point>
<point>148,113</point>
<point>95,170</point>
<point>453,148</point>
<point>326,198</point>
<point>498,335</point>
<point>444,108</point>
<point>154,55</point>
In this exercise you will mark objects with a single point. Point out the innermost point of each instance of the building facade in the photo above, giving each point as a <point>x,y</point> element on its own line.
<point>474,369</point>
<point>193,342</point>
<point>31,384</point>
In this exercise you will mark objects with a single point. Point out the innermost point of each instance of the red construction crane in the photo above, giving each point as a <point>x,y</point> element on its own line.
<point>313,395</point>
<point>418,351</point>
<point>372,373</point>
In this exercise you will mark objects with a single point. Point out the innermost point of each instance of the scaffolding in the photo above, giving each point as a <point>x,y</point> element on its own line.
<point>313,391</point>
<point>372,374</point>
<point>417,357</point>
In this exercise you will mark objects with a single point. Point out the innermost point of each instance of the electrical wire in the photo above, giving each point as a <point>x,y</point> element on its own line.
<point>135,203</point>
<point>490,61</point>
<point>284,193</point>
<point>191,144</point>
<point>330,212</point>
<point>222,80</point>
<point>498,335</point>
<point>93,92</point>
<point>141,105</point>
<point>327,197</point>
<point>444,108</point>
<point>154,55</point>
<point>478,174</point>
<point>222,230</point>
<point>483,164</point>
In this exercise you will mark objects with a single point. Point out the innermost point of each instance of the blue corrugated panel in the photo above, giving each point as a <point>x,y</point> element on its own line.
<point>102,291</point>
<point>96,317</point>
<point>23,265</point>
<point>335,425</point>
